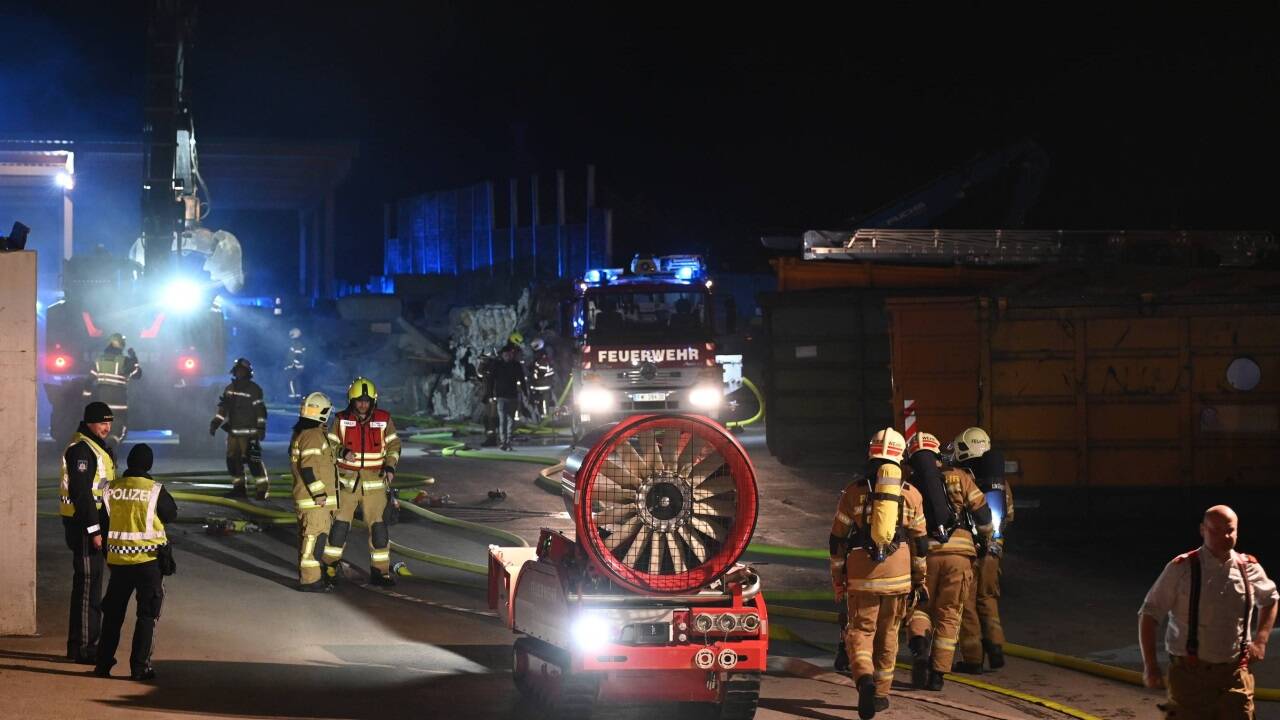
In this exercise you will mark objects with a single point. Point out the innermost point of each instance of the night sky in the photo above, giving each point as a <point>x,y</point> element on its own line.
<point>709,127</point>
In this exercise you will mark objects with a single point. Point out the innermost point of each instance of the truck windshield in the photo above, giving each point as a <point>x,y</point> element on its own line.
<point>647,314</point>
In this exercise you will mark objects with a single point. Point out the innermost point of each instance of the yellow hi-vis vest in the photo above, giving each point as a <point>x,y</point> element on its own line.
<point>136,534</point>
<point>106,473</point>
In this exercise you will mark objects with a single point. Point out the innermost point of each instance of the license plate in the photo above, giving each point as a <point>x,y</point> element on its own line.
<point>649,397</point>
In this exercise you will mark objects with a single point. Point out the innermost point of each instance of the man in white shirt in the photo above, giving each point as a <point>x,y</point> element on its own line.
<point>1210,596</point>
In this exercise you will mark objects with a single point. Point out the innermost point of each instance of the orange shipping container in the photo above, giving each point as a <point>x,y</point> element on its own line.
<point>1098,393</point>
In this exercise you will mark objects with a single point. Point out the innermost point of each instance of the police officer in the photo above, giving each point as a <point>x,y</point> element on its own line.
<point>138,508</point>
<point>243,414</point>
<point>109,382</point>
<point>88,467</point>
<point>950,559</point>
<point>874,568</point>
<point>369,449</point>
<point>315,490</point>
<point>980,630</point>
<point>294,363</point>
<point>1209,596</point>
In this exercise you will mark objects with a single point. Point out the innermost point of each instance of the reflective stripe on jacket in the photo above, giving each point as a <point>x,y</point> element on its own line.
<point>135,534</point>
<point>106,471</point>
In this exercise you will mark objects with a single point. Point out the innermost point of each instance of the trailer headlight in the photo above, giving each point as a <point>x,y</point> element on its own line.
<point>591,632</point>
<point>705,397</point>
<point>595,399</point>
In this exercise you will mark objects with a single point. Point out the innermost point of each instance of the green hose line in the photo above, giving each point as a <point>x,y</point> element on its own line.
<point>802,595</point>
<point>452,447</point>
<point>284,518</point>
<point>800,613</point>
<point>785,551</point>
<point>759,412</point>
<point>464,524</point>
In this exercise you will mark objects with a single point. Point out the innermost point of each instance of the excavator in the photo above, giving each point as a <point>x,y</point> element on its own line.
<point>164,296</point>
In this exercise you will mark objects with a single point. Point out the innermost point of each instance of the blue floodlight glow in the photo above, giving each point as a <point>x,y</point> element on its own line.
<point>684,273</point>
<point>64,180</point>
<point>592,276</point>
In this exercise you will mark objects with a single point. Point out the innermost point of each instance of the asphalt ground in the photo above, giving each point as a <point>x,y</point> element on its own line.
<point>236,640</point>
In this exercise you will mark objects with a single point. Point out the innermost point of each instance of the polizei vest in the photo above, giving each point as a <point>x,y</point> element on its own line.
<point>136,534</point>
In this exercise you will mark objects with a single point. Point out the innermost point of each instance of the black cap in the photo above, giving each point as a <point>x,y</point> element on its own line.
<point>96,412</point>
<point>140,459</point>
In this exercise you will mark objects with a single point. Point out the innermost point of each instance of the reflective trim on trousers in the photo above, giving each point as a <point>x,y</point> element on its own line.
<point>887,586</point>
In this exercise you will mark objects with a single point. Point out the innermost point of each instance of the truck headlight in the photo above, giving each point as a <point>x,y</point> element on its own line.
<point>591,632</point>
<point>182,296</point>
<point>705,397</point>
<point>595,399</point>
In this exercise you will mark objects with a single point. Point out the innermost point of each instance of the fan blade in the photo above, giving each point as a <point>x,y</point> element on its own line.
<point>625,531</point>
<point>712,486</point>
<point>670,444</point>
<point>692,448</point>
<point>677,555</point>
<point>710,529</point>
<point>655,554</point>
<point>607,489</point>
<point>637,546</point>
<point>648,442</point>
<point>715,508</point>
<point>694,542</point>
<point>615,514</point>
<point>624,466</point>
<point>706,467</point>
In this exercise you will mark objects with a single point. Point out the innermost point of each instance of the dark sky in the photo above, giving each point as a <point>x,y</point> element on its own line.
<point>708,126</point>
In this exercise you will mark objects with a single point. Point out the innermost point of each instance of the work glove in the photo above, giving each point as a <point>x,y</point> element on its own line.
<point>919,595</point>
<point>388,474</point>
<point>214,425</point>
<point>321,499</point>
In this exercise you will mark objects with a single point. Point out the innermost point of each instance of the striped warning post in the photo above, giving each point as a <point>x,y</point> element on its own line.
<point>908,418</point>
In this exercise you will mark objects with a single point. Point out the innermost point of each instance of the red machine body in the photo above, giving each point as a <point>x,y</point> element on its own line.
<point>648,603</point>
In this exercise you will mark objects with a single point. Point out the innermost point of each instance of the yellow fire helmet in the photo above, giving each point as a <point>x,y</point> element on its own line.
<point>887,445</point>
<point>362,387</point>
<point>974,442</point>
<point>922,441</point>
<point>516,338</point>
<point>316,406</point>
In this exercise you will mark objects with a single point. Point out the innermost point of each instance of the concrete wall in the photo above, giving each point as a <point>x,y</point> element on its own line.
<point>18,443</point>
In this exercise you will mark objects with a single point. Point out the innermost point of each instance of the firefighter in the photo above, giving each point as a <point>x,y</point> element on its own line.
<point>109,382</point>
<point>949,560</point>
<point>243,414</point>
<point>315,491</point>
<point>369,449</point>
<point>980,632</point>
<point>88,467</point>
<point>542,378</point>
<point>138,508</point>
<point>878,528</point>
<point>293,363</point>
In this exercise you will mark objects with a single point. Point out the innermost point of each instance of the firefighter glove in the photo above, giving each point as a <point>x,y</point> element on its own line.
<point>919,595</point>
<point>214,424</point>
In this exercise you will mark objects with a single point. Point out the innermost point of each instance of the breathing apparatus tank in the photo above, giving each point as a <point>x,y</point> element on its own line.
<point>922,457</point>
<point>883,519</point>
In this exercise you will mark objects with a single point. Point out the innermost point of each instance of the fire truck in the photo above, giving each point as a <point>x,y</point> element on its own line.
<point>647,342</point>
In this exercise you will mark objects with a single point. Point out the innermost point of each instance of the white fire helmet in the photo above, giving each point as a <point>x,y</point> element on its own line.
<point>887,445</point>
<point>923,441</point>
<point>972,443</point>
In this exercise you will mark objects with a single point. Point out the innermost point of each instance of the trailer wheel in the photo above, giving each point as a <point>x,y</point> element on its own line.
<point>739,696</point>
<point>520,667</point>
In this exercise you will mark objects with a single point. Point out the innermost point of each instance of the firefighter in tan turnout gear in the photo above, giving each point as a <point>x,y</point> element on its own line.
<point>243,414</point>
<point>874,568</point>
<point>951,552</point>
<point>368,451</point>
<point>315,489</point>
<point>980,630</point>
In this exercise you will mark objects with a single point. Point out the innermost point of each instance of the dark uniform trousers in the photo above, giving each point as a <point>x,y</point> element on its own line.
<point>86,593</point>
<point>146,581</point>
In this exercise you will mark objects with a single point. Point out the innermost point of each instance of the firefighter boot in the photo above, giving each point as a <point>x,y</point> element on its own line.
<point>919,647</point>
<point>381,579</point>
<point>995,654</point>
<point>882,703</point>
<point>935,681</point>
<point>866,697</point>
<point>968,668</point>
<point>318,586</point>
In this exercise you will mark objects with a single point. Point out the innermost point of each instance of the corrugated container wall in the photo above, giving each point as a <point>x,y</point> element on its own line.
<point>1102,396</point>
